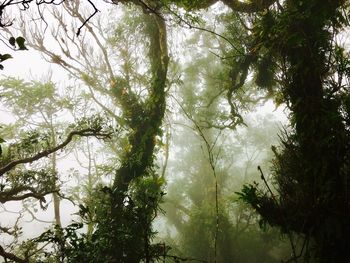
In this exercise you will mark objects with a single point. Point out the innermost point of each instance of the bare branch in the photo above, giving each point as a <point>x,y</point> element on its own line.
<point>212,161</point>
<point>87,20</point>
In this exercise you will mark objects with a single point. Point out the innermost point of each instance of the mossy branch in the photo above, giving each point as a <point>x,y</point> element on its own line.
<point>82,133</point>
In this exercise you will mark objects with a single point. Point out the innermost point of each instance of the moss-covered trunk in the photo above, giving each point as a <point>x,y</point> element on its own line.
<point>320,135</point>
<point>145,126</point>
<point>319,132</point>
<point>311,172</point>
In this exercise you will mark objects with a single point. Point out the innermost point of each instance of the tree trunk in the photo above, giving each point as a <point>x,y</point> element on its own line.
<point>320,133</point>
<point>139,158</point>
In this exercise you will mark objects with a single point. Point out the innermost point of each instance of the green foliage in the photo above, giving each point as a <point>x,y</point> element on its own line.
<point>188,5</point>
<point>27,98</point>
<point>29,143</point>
<point>96,122</point>
<point>67,241</point>
<point>132,235</point>
<point>249,194</point>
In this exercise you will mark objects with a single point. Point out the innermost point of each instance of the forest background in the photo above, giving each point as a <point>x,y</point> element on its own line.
<point>158,140</point>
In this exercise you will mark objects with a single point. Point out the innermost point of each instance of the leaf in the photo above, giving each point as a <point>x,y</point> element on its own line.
<point>12,41</point>
<point>20,42</point>
<point>5,57</point>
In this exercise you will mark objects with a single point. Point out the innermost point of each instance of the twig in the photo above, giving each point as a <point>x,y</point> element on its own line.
<point>190,26</point>
<point>87,20</point>
<point>266,184</point>
<point>295,257</point>
<point>212,165</point>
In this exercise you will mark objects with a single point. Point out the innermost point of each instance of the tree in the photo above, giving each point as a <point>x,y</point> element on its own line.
<point>301,52</point>
<point>295,56</point>
<point>20,182</point>
<point>38,105</point>
<point>129,203</point>
<point>310,167</point>
<point>210,152</point>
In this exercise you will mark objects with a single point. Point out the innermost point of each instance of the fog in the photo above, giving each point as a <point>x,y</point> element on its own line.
<point>164,129</point>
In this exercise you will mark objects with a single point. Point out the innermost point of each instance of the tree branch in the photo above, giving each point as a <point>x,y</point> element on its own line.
<point>10,256</point>
<point>87,20</point>
<point>45,153</point>
<point>13,194</point>
<point>249,6</point>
